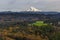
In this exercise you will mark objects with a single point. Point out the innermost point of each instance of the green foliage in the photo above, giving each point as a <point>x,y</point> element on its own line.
<point>46,28</point>
<point>1,38</point>
<point>43,28</point>
<point>39,23</point>
<point>56,36</point>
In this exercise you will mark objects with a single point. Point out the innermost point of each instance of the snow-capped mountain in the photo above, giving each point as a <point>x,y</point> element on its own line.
<point>33,9</point>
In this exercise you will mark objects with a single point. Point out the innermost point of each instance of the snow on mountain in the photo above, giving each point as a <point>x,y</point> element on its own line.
<point>33,9</point>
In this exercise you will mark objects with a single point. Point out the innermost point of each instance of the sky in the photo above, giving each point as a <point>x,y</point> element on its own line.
<point>21,5</point>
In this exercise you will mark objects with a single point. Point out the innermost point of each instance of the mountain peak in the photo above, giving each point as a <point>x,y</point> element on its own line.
<point>33,9</point>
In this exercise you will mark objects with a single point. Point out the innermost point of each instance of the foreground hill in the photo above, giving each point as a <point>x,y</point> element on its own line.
<point>29,25</point>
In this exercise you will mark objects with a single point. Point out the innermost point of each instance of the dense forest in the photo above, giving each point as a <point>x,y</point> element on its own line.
<point>29,25</point>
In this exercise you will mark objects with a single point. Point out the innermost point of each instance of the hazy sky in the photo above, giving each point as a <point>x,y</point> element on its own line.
<point>19,5</point>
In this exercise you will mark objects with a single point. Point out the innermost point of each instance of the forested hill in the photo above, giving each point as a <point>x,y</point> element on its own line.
<point>29,15</point>
<point>28,12</point>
